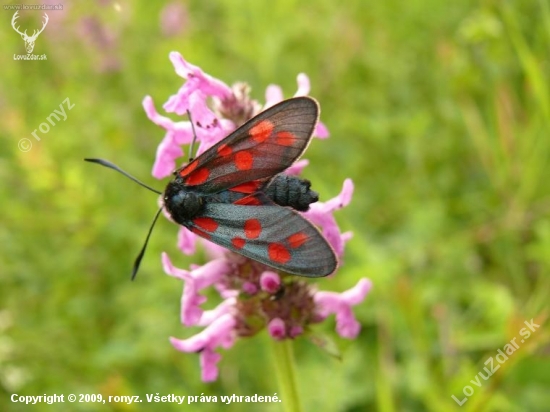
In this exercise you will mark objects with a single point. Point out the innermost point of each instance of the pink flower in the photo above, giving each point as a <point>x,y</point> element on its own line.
<point>186,241</point>
<point>197,82</point>
<point>249,288</point>
<point>297,167</point>
<point>270,281</point>
<point>219,333</point>
<point>340,304</point>
<point>191,96</point>
<point>321,214</point>
<point>173,19</point>
<point>253,296</point>
<point>177,133</point>
<point>276,329</point>
<point>274,95</point>
<point>195,280</point>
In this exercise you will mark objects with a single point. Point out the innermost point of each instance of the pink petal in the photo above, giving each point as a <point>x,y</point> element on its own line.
<point>270,282</point>
<point>340,304</point>
<point>173,19</point>
<point>329,227</point>
<point>191,301</point>
<point>346,324</point>
<point>303,85</point>
<point>182,67</point>
<point>200,80</point>
<point>211,272</point>
<point>201,113</point>
<point>273,95</point>
<point>296,330</point>
<point>209,365</point>
<point>343,199</point>
<point>225,307</point>
<point>346,236</point>
<point>195,280</point>
<point>167,153</point>
<point>210,337</point>
<point>357,294</point>
<point>154,116</point>
<point>186,241</point>
<point>171,270</point>
<point>320,214</point>
<point>321,131</point>
<point>179,102</point>
<point>218,333</point>
<point>297,167</point>
<point>249,288</point>
<point>331,232</point>
<point>276,328</point>
<point>214,251</point>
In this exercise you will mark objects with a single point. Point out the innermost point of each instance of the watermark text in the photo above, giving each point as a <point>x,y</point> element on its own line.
<point>55,117</point>
<point>501,357</point>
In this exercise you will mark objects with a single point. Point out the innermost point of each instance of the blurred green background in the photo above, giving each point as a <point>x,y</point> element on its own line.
<point>439,112</point>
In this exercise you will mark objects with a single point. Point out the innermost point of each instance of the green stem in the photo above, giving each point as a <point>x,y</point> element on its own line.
<point>283,358</point>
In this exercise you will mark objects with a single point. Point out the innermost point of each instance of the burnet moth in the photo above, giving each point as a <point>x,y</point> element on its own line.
<point>235,195</point>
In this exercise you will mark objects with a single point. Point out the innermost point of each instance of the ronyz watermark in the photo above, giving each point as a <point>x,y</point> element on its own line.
<point>26,144</point>
<point>501,357</point>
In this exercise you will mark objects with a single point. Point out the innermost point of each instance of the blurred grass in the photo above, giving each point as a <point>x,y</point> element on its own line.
<point>438,111</point>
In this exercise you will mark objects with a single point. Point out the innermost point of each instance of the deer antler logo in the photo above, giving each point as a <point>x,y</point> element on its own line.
<point>29,40</point>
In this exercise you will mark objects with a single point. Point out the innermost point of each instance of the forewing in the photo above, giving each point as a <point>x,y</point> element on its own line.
<point>274,235</point>
<point>261,148</point>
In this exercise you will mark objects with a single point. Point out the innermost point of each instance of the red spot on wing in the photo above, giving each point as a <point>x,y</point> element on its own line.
<point>297,239</point>
<point>206,223</point>
<point>252,228</point>
<point>199,232</point>
<point>285,139</point>
<point>238,242</point>
<point>261,131</point>
<point>248,187</point>
<point>244,160</point>
<point>278,253</point>
<point>198,176</point>
<point>248,201</point>
<point>224,150</point>
<point>188,169</point>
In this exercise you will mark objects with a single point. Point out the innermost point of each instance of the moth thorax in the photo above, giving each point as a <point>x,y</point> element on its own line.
<point>180,203</point>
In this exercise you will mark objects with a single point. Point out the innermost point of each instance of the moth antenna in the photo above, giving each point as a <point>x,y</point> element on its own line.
<point>110,165</point>
<point>142,251</point>
<point>194,137</point>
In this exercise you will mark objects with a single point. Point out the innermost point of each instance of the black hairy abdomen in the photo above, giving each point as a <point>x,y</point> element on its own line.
<point>291,191</point>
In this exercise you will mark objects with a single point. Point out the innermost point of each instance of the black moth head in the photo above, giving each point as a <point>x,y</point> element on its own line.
<point>182,205</point>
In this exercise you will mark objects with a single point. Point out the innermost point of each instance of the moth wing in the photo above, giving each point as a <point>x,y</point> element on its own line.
<point>271,234</point>
<point>261,148</point>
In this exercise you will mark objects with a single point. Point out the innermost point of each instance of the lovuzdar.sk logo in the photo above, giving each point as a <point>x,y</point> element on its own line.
<point>29,40</point>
